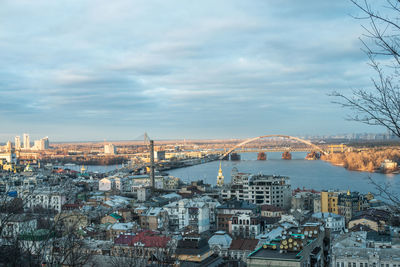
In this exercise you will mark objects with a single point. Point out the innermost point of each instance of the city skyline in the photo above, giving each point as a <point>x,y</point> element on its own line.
<point>78,71</point>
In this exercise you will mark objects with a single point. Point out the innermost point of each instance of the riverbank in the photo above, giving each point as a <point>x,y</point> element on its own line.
<point>365,161</point>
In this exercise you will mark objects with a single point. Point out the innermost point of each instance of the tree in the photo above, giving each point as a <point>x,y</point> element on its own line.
<point>379,105</point>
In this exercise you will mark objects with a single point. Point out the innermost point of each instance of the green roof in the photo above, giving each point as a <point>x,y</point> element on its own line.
<point>116,216</point>
<point>37,235</point>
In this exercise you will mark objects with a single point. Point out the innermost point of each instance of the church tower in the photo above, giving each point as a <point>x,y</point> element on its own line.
<point>220,177</point>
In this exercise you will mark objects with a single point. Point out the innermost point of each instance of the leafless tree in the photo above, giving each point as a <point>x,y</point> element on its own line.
<point>380,104</point>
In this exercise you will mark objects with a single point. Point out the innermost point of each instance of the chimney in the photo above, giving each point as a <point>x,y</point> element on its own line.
<point>152,182</point>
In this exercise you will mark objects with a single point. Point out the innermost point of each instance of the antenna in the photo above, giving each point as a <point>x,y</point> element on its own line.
<point>146,140</point>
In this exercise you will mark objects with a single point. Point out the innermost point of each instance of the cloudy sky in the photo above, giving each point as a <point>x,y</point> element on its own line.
<point>94,70</point>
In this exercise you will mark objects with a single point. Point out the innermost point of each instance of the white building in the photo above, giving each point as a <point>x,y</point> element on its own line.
<point>46,199</point>
<point>244,225</point>
<point>16,224</point>
<point>110,183</point>
<point>189,212</point>
<point>220,242</point>
<point>17,142</point>
<point>110,149</point>
<point>333,222</point>
<point>27,142</point>
<point>260,189</point>
<point>366,250</point>
<point>41,144</point>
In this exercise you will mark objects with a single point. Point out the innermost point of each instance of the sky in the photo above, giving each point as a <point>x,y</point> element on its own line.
<point>95,70</point>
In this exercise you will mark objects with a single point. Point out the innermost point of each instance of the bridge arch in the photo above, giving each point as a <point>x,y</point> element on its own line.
<point>272,135</point>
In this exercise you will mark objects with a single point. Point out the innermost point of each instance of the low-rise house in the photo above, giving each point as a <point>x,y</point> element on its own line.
<point>299,247</point>
<point>147,245</point>
<point>112,218</point>
<point>244,225</point>
<point>154,219</point>
<point>373,218</point>
<point>230,208</point>
<point>332,222</point>
<point>109,184</point>
<point>194,213</point>
<point>14,224</point>
<point>195,251</point>
<point>220,242</point>
<point>46,199</point>
<point>117,229</point>
<point>71,220</point>
<point>365,249</point>
<point>271,211</point>
<point>304,199</point>
<point>241,248</point>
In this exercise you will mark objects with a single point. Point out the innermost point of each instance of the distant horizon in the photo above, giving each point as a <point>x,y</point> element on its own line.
<point>35,137</point>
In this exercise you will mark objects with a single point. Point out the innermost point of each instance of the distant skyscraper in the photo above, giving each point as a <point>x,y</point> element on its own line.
<point>110,149</point>
<point>44,142</point>
<point>17,142</point>
<point>27,142</point>
<point>41,144</point>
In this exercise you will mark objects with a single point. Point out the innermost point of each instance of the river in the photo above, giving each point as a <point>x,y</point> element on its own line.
<point>315,174</point>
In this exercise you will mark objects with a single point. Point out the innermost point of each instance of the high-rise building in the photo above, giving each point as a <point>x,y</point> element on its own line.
<point>259,189</point>
<point>110,149</point>
<point>41,144</point>
<point>27,142</point>
<point>17,142</point>
<point>329,202</point>
<point>44,143</point>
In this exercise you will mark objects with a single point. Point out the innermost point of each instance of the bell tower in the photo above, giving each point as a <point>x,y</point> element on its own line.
<point>220,177</point>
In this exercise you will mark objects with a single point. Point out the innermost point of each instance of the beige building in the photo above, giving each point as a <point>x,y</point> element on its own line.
<point>69,220</point>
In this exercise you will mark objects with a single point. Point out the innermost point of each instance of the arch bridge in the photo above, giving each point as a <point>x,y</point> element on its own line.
<point>273,135</point>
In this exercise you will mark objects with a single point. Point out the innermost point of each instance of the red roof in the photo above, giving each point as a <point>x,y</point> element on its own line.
<point>298,189</point>
<point>243,244</point>
<point>148,238</point>
<point>267,207</point>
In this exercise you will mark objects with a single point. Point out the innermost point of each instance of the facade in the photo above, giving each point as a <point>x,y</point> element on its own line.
<point>332,221</point>
<point>143,245</point>
<point>388,165</point>
<point>16,224</point>
<point>366,250</point>
<point>329,202</point>
<point>68,220</point>
<point>342,203</point>
<point>260,189</point>
<point>244,225</point>
<point>304,201</point>
<point>241,248</point>
<point>110,149</point>
<point>220,243</point>
<point>195,251</point>
<point>46,200</point>
<point>111,183</point>
<point>230,208</point>
<point>194,213</point>
<point>373,218</point>
<point>271,211</point>
<point>17,142</point>
<point>27,142</point>
<point>154,219</point>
